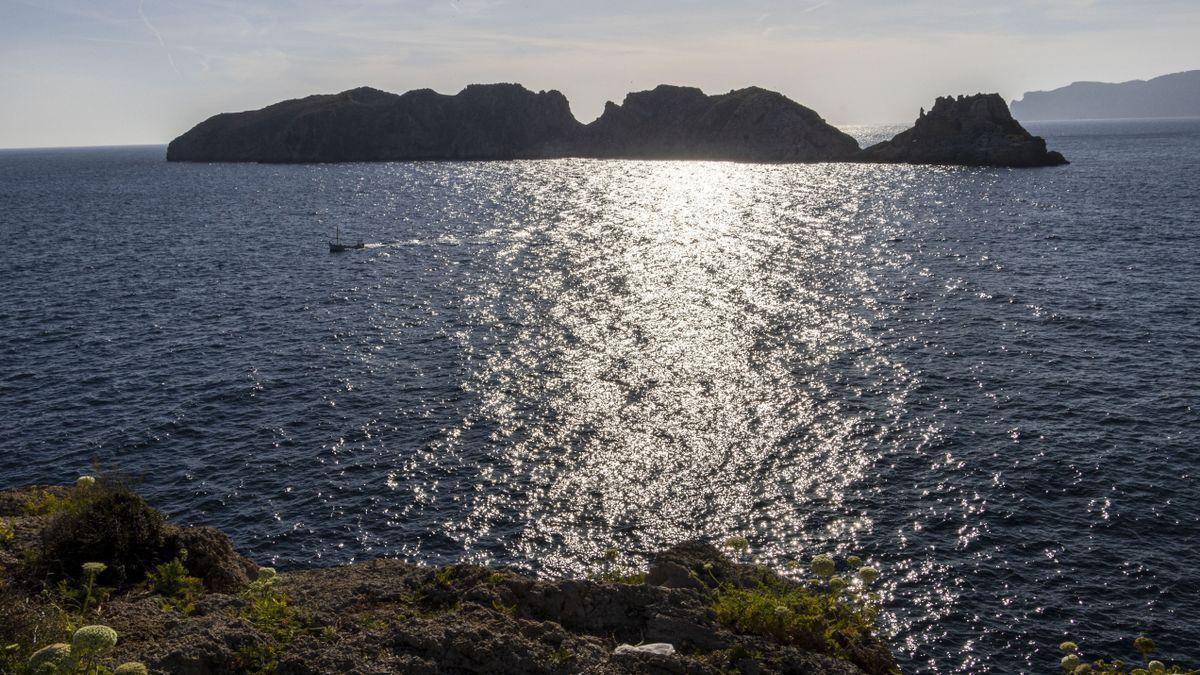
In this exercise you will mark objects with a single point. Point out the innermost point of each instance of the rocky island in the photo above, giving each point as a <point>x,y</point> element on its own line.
<point>969,130</point>
<point>508,121</point>
<point>93,578</point>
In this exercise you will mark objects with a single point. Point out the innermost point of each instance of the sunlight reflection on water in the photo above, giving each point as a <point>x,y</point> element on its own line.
<point>935,368</point>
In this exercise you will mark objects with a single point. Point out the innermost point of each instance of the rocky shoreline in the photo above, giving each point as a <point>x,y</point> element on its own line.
<point>508,121</point>
<point>182,600</point>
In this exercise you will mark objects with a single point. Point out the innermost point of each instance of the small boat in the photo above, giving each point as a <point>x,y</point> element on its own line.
<point>336,246</point>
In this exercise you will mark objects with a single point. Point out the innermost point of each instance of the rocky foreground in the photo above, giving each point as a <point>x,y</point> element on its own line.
<point>507,121</point>
<point>182,600</point>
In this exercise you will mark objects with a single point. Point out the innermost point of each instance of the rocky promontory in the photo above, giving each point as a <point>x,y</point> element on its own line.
<point>974,130</point>
<point>152,596</point>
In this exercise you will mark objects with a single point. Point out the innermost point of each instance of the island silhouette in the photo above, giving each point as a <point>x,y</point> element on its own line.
<point>508,121</point>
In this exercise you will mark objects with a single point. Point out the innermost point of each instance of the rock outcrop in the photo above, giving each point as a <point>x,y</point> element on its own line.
<point>392,616</point>
<point>495,121</point>
<point>751,124</point>
<point>969,130</point>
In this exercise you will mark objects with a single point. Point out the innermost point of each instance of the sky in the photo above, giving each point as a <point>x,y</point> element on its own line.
<point>111,72</point>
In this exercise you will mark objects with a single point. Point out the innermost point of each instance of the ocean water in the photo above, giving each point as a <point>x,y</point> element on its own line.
<point>983,380</point>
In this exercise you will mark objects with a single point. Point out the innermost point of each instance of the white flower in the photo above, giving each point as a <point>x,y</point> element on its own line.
<point>93,641</point>
<point>868,574</point>
<point>85,481</point>
<point>94,569</point>
<point>1069,662</point>
<point>50,658</point>
<point>823,566</point>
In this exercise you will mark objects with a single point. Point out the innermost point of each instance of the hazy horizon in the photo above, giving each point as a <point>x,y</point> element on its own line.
<point>76,73</point>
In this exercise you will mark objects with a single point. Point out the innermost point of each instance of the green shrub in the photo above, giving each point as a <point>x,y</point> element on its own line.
<point>179,591</point>
<point>103,523</point>
<point>268,608</point>
<point>827,616</point>
<point>44,502</point>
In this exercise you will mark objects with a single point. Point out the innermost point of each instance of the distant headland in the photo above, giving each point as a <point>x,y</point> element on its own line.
<point>508,121</point>
<point>1175,95</point>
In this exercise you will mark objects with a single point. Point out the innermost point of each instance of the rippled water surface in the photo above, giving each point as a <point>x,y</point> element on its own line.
<point>984,380</point>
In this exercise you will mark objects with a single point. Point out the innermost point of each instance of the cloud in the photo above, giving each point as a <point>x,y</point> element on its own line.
<point>158,36</point>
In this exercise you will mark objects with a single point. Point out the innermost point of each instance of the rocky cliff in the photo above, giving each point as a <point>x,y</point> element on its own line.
<point>969,130</point>
<point>181,600</point>
<point>496,121</point>
<point>749,124</point>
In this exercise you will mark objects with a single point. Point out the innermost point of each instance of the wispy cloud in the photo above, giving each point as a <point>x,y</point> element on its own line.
<point>158,36</point>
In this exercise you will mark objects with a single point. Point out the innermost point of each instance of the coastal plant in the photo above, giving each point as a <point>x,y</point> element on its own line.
<point>6,532</point>
<point>739,545</point>
<point>91,643</point>
<point>613,573</point>
<point>52,658</point>
<point>1073,663</point>
<point>830,614</point>
<point>105,521</point>
<point>268,608</point>
<point>77,598</point>
<point>178,590</point>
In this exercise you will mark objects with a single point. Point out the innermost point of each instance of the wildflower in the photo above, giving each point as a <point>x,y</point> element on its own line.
<point>131,668</point>
<point>1144,645</point>
<point>1069,662</point>
<point>94,569</point>
<point>1083,669</point>
<point>836,584</point>
<point>93,641</point>
<point>780,610</point>
<point>823,566</point>
<point>868,574</point>
<point>1069,646</point>
<point>854,561</point>
<point>1156,667</point>
<point>85,481</point>
<point>708,567</point>
<point>266,573</point>
<point>50,658</point>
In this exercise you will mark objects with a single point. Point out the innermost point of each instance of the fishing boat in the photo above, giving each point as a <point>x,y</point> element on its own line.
<point>336,246</point>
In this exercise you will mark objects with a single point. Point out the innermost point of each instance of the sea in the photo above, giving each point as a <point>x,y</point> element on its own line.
<point>984,381</point>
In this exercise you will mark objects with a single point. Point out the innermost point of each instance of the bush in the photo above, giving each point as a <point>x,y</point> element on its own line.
<point>828,615</point>
<point>102,523</point>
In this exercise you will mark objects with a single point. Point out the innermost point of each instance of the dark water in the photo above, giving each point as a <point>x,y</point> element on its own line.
<point>984,380</point>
